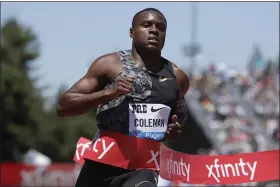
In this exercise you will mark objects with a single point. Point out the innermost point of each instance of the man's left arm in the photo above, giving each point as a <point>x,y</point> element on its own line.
<point>183,85</point>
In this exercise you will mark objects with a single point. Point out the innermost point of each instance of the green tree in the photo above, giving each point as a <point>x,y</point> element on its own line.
<point>25,123</point>
<point>60,135</point>
<point>21,102</point>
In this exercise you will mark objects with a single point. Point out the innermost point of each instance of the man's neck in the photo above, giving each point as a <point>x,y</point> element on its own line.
<point>149,60</point>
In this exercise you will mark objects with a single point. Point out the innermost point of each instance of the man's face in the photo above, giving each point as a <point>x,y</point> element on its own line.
<point>149,31</point>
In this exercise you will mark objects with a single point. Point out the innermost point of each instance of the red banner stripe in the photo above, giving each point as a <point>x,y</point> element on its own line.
<point>130,152</point>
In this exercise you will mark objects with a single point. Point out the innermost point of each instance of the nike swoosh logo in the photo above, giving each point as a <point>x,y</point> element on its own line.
<point>154,110</point>
<point>162,79</point>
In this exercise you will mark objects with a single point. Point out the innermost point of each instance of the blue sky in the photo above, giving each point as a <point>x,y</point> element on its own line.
<point>72,34</point>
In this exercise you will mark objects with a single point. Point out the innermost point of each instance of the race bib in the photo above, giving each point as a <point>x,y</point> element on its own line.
<point>148,120</point>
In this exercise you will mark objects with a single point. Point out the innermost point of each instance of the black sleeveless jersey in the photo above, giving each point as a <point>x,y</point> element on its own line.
<point>148,87</point>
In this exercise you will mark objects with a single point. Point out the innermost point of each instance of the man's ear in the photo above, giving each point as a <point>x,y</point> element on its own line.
<point>131,32</point>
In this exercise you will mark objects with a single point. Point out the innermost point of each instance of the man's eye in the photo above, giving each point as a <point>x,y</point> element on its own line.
<point>160,27</point>
<point>146,24</point>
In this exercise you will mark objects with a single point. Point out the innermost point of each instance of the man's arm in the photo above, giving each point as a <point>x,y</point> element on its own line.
<point>85,94</point>
<point>183,84</point>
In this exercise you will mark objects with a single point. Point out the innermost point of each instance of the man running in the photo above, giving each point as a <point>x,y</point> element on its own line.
<point>117,80</point>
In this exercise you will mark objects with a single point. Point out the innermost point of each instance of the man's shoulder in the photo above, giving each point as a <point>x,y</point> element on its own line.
<point>112,58</point>
<point>105,63</point>
<point>181,76</point>
<point>108,57</point>
<point>174,66</point>
<point>176,69</point>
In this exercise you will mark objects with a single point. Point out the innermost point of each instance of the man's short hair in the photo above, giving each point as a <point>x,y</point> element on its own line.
<point>146,10</point>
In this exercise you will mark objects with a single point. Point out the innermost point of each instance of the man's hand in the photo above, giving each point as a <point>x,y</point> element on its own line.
<point>174,128</point>
<point>122,86</point>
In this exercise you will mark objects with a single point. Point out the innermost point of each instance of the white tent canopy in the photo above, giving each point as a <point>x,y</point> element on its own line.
<point>36,158</point>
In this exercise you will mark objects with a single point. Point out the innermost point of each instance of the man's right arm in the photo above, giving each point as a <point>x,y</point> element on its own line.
<point>85,94</point>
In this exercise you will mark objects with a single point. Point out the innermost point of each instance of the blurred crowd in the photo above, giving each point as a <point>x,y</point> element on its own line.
<point>241,108</point>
